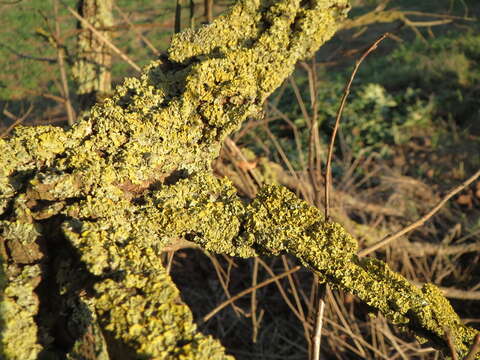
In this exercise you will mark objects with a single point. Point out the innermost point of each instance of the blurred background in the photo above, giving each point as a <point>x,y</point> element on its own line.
<point>410,132</point>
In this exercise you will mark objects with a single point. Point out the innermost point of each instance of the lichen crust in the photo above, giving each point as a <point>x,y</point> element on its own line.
<point>108,194</point>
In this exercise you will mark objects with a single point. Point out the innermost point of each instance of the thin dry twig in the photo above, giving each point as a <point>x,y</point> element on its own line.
<point>474,349</point>
<point>234,148</point>
<point>335,304</point>
<point>116,50</point>
<point>248,291</point>
<point>422,220</point>
<point>389,16</point>
<point>298,303</point>
<point>223,277</point>
<point>318,330</point>
<point>357,338</point>
<point>314,147</point>
<point>17,120</point>
<point>419,249</point>
<point>451,345</point>
<point>299,314</point>
<point>253,301</point>
<point>346,92</point>
<point>314,172</point>
<point>136,31</point>
<point>27,56</point>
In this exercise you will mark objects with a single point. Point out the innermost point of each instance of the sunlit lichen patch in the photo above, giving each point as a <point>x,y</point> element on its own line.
<point>135,173</point>
<point>280,222</point>
<point>18,308</point>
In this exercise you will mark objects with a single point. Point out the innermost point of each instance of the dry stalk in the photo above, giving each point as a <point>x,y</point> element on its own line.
<point>424,249</point>
<point>474,349</point>
<point>317,337</point>
<point>253,301</point>
<point>451,344</point>
<point>293,287</point>
<point>314,172</point>
<point>17,120</point>
<point>297,312</point>
<point>224,279</point>
<point>389,16</point>
<point>346,92</point>
<point>423,219</point>
<point>248,291</point>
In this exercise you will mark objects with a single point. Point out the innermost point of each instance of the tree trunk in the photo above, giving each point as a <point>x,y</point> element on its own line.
<point>85,212</point>
<point>93,61</point>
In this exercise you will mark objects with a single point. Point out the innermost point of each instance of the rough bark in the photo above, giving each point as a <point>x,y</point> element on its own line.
<point>91,69</point>
<point>85,212</point>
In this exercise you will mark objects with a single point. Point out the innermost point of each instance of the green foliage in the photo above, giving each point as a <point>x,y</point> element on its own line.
<point>413,91</point>
<point>375,119</point>
<point>20,74</point>
<point>446,67</point>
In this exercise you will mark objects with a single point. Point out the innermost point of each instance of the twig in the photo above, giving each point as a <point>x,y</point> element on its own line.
<point>224,279</point>
<point>298,96</point>
<point>234,149</point>
<point>419,249</point>
<point>422,220</point>
<point>17,120</point>
<point>26,56</point>
<point>294,291</point>
<point>298,313</point>
<point>247,291</point>
<point>170,255</point>
<point>253,301</point>
<point>103,38</point>
<point>451,345</point>
<point>314,172</point>
<point>317,337</point>
<point>357,340</point>
<point>474,349</point>
<point>389,16</point>
<point>346,92</point>
<point>314,147</point>
<point>442,16</point>
<point>135,30</point>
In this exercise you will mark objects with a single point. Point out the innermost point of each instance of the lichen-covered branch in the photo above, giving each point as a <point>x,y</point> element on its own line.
<point>85,212</point>
<point>279,221</point>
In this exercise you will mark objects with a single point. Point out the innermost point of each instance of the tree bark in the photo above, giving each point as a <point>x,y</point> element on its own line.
<point>85,212</point>
<point>92,65</point>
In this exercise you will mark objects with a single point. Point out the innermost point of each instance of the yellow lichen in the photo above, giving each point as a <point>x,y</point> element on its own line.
<point>18,309</point>
<point>135,173</point>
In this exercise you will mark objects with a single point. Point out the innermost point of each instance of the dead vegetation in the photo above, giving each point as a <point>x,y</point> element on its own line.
<point>267,308</point>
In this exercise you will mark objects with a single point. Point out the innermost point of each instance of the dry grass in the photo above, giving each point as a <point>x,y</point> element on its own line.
<point>277,321</point>
<point>372,198</point>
